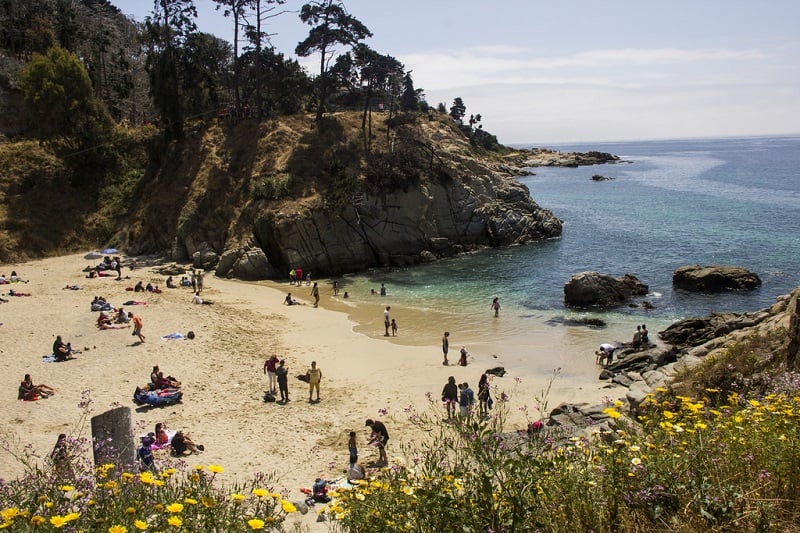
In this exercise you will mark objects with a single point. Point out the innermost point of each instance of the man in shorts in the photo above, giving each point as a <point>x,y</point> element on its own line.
<point>137,325</point>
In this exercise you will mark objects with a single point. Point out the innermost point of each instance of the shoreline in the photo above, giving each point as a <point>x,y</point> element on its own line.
<point>364,376</point>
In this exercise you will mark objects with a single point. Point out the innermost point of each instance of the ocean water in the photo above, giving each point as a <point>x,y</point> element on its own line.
<point>671,203</point>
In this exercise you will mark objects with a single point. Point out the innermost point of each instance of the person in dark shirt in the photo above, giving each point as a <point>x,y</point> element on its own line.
<point>379,438</point>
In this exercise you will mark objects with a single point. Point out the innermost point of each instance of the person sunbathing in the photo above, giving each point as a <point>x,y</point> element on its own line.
<point>103,320</point>
<point>30,392</point>
<point>157,397</point>
<point>12,292</point>
<point>181,443</point>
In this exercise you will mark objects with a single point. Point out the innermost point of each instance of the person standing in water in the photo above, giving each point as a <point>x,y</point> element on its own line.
<point>496,306</point>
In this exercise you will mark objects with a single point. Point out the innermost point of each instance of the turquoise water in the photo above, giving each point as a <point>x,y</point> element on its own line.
<point>672,203</point>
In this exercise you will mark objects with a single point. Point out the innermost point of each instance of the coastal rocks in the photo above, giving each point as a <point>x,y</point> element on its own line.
<point>695,331</point>
<point>407,227</point>
<point>591,289</point>
<point>248,262</point>
<point>598,177</point>
<point>714,278</point>
<point>205,257</point>
<point>544,157</point>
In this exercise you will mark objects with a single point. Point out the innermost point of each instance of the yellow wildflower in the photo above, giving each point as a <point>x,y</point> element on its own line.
<point>37,520</point>
<point>216,469</point>
<point>175,521</point>
<point>66,488</point>
<point>57,521</point>
<point>237,497</point>
<point>255,523</point>
<point>288,507</point>
<point>117,529</point>
<point>190,501</point>
<point>260,492</point>
<point>175,507</point>
<point>146,478</point>
<point>141,525</point>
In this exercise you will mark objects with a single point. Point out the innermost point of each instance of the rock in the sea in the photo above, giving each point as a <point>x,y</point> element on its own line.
<point>714,278</point>
<point>590,289</point>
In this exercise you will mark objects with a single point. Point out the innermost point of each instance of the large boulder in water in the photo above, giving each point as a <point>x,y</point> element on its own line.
<point>714,278</point>
<point>590,289</point>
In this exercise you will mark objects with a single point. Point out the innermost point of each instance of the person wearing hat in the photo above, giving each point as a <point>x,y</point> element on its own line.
<point>379,438</point>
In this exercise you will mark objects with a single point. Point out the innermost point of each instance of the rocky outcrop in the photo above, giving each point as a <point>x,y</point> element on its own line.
<point>591,289</point>
<point>408,227</point>
<point>714,278</point>
<point>544,157</point>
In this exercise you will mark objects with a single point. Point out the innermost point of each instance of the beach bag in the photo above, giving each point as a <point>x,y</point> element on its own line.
<point>269,397</point>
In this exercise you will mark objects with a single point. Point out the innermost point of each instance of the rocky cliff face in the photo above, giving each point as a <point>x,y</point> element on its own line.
<point>408,227</point>
<point>452,200</point>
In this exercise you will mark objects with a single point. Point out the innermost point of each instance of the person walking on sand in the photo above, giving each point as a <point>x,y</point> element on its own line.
<point>445,346</point>
<point>335,288</point>
<point>387,322</point>
<point>315,294</point>
<point>269,369</point>
<point>282,374</point>
<point>314,376</point>
<point>137,326</point>
<point>496,306</point>
<point>394,328</point>
<point>379,438</point>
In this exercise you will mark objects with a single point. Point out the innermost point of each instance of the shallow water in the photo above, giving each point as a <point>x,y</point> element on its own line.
<point>672,203</point>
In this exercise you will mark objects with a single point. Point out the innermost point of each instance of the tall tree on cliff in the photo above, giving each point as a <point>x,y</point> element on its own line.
<point>377,73</point>
<point>262,11</point>
<point>330,25</point>
<point>458,110</point>
<point>167,30</point>
<point>236,10</point>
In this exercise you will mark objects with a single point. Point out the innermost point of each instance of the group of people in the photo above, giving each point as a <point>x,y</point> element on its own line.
<point>12,278</point>
<point>278,375</point>
<point>461,394</point>
<point>641,338</point>
<point>107,264</point>
<point>178,443</point>
<point>389,323</point>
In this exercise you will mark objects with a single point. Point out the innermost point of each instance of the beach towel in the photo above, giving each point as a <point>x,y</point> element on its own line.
<point>48,359</point>
<point>134,302</point>
<point>171,336</point>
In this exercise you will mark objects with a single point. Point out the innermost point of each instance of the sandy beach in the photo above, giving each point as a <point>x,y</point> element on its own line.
<point>364,375</point>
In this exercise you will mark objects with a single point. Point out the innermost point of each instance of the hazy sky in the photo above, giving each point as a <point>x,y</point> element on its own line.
<point>582,70</point>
